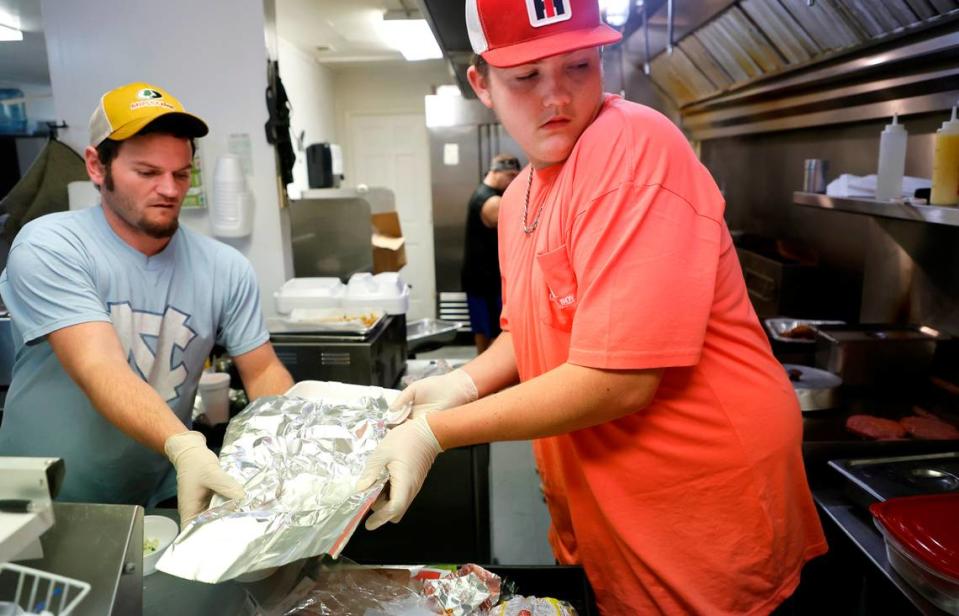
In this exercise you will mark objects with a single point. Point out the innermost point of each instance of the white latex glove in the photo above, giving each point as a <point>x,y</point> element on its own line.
<point>407,453</point>
<point>438,393</point>
<point>198,475</point>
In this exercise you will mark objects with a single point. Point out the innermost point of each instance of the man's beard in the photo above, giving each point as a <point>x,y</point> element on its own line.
<point>159,232</point>
<point>122,207</point>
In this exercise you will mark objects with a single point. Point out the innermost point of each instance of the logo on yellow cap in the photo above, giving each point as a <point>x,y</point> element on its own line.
<point>148,93</point>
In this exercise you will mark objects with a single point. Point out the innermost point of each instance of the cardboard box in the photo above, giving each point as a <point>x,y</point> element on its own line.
<point>389,245</point>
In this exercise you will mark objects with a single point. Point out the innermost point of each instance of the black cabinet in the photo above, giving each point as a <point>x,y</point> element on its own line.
<point>448,521</point>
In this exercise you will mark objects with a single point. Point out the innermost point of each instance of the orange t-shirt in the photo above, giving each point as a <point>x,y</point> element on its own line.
<point>699,502</point>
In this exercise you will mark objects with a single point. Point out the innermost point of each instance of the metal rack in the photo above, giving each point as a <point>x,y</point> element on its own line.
<point>39,591</point>
<point>932,214</point>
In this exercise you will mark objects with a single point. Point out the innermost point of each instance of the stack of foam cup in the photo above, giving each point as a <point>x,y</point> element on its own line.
<point>214,392</point>
<point>230,216</point>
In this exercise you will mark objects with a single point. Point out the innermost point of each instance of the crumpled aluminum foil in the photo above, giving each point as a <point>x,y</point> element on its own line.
<point>299,461</point>
<point>471,590</point>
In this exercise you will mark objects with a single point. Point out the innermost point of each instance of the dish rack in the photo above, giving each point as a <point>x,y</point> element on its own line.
<point>43,593</point>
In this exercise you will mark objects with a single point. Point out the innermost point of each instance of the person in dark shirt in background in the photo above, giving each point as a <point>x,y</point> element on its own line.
<point>480,274</point>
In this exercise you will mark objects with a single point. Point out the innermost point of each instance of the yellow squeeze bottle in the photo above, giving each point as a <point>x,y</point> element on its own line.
<point>945,164</point>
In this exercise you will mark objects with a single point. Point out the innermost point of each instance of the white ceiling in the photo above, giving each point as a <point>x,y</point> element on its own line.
<point>24,62</point>
<point>349,28</point>
<point>346,29</point>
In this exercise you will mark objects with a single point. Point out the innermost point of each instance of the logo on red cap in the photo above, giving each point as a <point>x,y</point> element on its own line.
<point>497,31</point>
<point>546,12</point>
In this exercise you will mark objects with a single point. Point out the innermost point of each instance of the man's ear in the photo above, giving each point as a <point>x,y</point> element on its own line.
<point>95,168</point>
<point>480,85</point>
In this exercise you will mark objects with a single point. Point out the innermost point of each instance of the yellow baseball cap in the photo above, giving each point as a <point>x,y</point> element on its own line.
<point>125,111</point>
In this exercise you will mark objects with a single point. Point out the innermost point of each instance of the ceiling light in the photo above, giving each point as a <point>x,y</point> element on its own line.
<point>412,37</point>
<point>10,34</point>
<point>615,12</point>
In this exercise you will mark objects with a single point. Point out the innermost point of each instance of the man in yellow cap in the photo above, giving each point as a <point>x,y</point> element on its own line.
<point>115,310</point>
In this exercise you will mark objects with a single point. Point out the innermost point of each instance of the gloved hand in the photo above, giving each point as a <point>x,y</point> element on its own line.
<point>407,453</point>
<point>198,475</point>
<point>438,393</point>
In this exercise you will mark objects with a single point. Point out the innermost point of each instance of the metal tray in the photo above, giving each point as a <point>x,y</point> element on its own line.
<point>778,326</point>
<point>327,321</point>
<point>878,479</point>
<point>429,332</point>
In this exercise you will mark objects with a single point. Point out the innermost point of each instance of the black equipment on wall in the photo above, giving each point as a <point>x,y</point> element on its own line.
<point>278,125</point>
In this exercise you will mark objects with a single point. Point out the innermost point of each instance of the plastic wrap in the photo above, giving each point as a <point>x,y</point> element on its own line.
<point>471,590</point>
<point>298,461</point>
<point>533,606</point>
<point>348,589</point>
<point>361,591</point>
<point>417,370</point>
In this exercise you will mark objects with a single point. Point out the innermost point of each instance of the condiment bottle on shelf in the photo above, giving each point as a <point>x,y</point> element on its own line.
<point>945,164</point>
<point>892,161</point>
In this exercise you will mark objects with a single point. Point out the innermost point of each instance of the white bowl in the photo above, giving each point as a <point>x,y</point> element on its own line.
<point>164,530</point>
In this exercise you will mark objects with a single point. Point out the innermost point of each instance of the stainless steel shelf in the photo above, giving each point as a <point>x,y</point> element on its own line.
<point>918,213</point>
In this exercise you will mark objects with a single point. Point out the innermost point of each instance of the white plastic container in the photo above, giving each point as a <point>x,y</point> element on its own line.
<point>386,292</point>
<point>892,161</point>
<point>309,293</point>
<point>940,589</point>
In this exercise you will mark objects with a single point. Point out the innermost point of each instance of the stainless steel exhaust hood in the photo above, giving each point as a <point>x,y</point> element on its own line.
<point>767,65</point>
<point>745,54</point>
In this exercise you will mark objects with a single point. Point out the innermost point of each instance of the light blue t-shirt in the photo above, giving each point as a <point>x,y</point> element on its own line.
<point>168,311</point>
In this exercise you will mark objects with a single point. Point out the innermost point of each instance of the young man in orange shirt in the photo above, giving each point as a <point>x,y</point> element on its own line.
<point>668,436</point>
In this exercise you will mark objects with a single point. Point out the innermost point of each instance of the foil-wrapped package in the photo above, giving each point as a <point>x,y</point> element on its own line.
<point>471,590</point>
<point>298,461</point>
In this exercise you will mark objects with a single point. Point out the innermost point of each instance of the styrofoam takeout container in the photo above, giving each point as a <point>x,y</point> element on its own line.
<point>309,293</point>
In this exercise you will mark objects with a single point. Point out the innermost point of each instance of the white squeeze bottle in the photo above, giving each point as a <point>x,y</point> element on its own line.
<point>945,164</point>
<point>892,161</point>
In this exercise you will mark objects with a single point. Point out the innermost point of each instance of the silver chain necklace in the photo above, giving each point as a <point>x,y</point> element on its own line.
<point>527,229</point>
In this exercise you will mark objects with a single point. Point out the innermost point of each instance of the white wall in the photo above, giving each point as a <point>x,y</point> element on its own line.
<point>309,86</point>
<point>382,88</point>
<point>39,104</point>
<point>381,124</point>
<point>211,55</point>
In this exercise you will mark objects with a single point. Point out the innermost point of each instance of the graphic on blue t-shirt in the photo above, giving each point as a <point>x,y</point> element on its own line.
<point>155,363</point>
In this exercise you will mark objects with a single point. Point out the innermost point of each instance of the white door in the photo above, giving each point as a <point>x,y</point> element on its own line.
<point>392,151</point>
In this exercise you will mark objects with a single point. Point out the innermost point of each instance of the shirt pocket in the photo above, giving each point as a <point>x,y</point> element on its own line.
<point>559,296</point>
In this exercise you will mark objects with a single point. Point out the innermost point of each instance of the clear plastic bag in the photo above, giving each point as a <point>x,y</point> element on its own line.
<point>533,606</point>
<point>346,589</point>
<point>360,591</point>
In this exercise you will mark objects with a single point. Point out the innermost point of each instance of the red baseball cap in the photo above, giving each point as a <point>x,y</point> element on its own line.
<point>512,32</point>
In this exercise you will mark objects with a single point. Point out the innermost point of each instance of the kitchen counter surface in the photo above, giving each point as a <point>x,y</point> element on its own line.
<point>856,525</point>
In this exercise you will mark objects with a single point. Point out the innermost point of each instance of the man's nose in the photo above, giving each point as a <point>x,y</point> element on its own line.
<point>168,186</point>
<point>556,90</point>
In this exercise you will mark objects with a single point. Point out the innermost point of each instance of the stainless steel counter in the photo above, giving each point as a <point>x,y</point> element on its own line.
<point>166,594</point>
<point>103,546</point>
<point>864,535</point>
